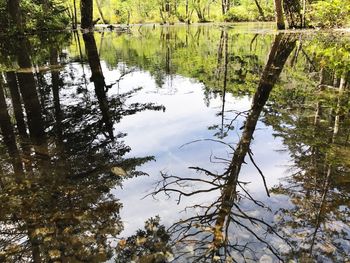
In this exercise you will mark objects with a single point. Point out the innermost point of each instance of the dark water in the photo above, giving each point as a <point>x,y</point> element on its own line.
<point>183,144</point>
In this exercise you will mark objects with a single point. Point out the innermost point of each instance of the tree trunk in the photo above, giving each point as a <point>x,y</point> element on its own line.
<point>187,13</point>
<point>75,24</point>
<point>279,15</point>
<point>261,11</point>
<point>15,14</point>
<point>99,8</point>
<point>86,10</point>
<point>225,6</point>
<point>292,10</point>
<point>303,24</point>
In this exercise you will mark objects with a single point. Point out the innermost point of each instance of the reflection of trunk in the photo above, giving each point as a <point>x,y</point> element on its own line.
<point>279,15</point>
<point>341,102</point>
<point>98,79</point>
<point>168,54</point>
<point>34,244</point>
<point>16,103</point>
<point>9,137</point>
<point>326,184</point>
<point>220,49</point>
<point>225,38</point>
<point>55,75</point>
<point>27,87</point>
<point>280,51</point>
<point>294,59</point>
<point>19,116</point>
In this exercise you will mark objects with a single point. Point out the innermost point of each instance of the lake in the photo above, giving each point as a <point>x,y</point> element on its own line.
<point>201,143</point>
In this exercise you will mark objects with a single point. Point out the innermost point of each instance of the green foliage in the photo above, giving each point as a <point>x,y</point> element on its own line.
<point>150,244</point>
<point>330,13</point>
<point>36,15</point>
<point>248,11</point>
<point>332,53</point>
<point>242,13</point>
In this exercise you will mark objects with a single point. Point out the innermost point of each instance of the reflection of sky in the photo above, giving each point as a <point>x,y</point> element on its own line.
<point>162,134</point>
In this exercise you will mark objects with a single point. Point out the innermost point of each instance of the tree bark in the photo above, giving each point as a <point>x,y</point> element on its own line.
<point>14,11</point>
<point>292,10</point>
<point>86,10</point>
<point>75,24</point>
<point>260,10</point>
<point>225,6</point>
<point>99,8</point>
<point>279,15</point>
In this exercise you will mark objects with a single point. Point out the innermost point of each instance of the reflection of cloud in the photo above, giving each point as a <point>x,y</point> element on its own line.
<point>161,134</point>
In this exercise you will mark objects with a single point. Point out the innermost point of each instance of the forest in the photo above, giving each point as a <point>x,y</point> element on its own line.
<point>39,15</point>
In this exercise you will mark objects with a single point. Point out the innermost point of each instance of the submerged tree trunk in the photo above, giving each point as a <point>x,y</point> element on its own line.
<point>86,10</point>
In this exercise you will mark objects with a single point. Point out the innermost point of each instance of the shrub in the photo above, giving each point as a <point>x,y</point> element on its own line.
<point>242,13</point>
<point>330,13</point>
<point>249,12</point>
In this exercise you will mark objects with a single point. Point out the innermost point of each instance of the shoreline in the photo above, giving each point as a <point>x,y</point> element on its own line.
<point>244,27</point>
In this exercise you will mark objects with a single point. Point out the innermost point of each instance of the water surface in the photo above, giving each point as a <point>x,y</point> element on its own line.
<point>175,144</point>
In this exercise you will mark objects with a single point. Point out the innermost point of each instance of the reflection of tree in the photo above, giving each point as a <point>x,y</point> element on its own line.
<point>231,70</point>
<point>55,200</point>
<point>148,245</point>
<point>222,69</point>
<point>213,233</point>
<point>195,52</point>
<point>317,139</point>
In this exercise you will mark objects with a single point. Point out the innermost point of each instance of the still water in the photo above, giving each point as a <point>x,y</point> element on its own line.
<point>175,144</point>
